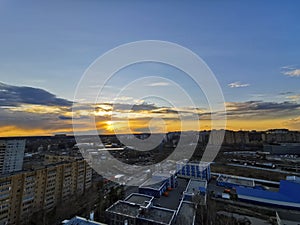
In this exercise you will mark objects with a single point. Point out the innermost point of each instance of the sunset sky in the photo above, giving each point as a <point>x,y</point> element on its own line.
<point>46,46</point>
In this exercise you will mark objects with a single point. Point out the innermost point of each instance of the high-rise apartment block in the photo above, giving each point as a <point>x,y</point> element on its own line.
<point>27,192</point>
<point>11,155</point>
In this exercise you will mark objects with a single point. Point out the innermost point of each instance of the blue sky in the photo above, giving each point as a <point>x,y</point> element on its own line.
<point>49,44</point>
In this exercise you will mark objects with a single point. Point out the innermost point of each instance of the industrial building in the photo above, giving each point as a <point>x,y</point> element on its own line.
<point>186,213</point>
<point>139,209</point>
<point>11,155</point>
<point>196,188</point>
<point>199,170</point>
<point>235,181</point>
<point>283,148</point>
<point>26,192</point>
<point>284,218</point>
<point>287,196</point>
<point>80,221</point>
<point>158,184</point>
<point>153,187</point>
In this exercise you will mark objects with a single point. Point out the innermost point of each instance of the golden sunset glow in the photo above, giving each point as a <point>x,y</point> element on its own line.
<point>30,120</point>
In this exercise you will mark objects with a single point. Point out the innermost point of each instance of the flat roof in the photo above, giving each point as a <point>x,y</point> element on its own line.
<point>165,174</point>
<point>157,214</point>
<point>194,185</point>
<point>236,180</point>
<point>139,199</point>
<point>186,213</point>
<point>125,208</point>
<point>289,218</point>
<point>153,183</point>
<point>200,163</point>
<point>80,221</point>
<point>264,195</point>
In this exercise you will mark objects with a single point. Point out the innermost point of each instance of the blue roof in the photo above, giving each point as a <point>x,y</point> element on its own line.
<point>81,221</point>
<point>263,194</point>
<point>290,188</point>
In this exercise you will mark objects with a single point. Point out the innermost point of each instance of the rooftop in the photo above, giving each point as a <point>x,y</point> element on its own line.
<point>194,185</point>
<point>161,215</point>
<point>288,218</point>
<point>80,221</point>
<point>153,183</point>
<point>236,180</point>
<point>125,208</point>
<point>185,161</point>
<point>139,199</point>
<point>186,214</point>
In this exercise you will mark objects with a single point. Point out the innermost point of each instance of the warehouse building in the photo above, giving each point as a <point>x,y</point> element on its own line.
<point>287,196</point>
<point>186,213</point>
<point>286,218</point>
<point>194,189</point>
<point>77,220</point>
<point>197,170</point>
<point>139,209</point>
<point>158,184</point>
<point>234,181</point>
<point>153,187</point>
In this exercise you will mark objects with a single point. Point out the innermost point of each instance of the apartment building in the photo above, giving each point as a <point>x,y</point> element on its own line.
<point>26,192</point>
<point>11,155</point>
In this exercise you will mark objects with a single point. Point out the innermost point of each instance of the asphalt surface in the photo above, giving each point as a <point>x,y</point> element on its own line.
<point>173,200</point>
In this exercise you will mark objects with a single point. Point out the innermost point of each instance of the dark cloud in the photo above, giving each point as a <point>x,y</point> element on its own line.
<point>28,120</point>
<point>260,109</point>
<point>260,105</point>
<point>165,111</point>
<point>65,117</point>
<point>286,93</point>
<point>14,96</point>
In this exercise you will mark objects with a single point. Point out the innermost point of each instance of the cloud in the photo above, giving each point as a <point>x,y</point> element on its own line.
<point>261,110</point>
<point>158,84</point>
<point>294,97</point>
<point>16,95</point>
<point>65,117</point>
<point>260,105</point>
<point>286,93</point>
<point>290,71</point>
<point>238,84</point>
<point>293,123</point>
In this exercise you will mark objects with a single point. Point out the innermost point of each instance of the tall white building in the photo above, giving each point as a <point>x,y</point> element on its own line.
<point>11,155</point>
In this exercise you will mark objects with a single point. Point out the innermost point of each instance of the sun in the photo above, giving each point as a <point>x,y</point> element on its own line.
<point>109,126</point>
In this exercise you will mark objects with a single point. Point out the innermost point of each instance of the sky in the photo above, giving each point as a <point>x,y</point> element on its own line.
<point>46,46</point>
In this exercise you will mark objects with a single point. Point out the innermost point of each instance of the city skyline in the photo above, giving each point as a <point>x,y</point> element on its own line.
<point>252,50</point>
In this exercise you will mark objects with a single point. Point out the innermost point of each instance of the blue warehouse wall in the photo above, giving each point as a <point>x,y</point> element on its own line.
<point>290,188</point>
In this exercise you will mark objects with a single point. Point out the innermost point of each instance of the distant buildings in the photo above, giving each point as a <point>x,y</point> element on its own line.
<point>282,148</point>
<point>26,192</point>
<point>11,155</point>
<point>254,137</point>
<point>281,136</point>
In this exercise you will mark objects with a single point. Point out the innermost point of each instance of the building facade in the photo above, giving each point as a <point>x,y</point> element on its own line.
<point>11,155</point>
<point>193,170</point>
<point>27,192</point>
